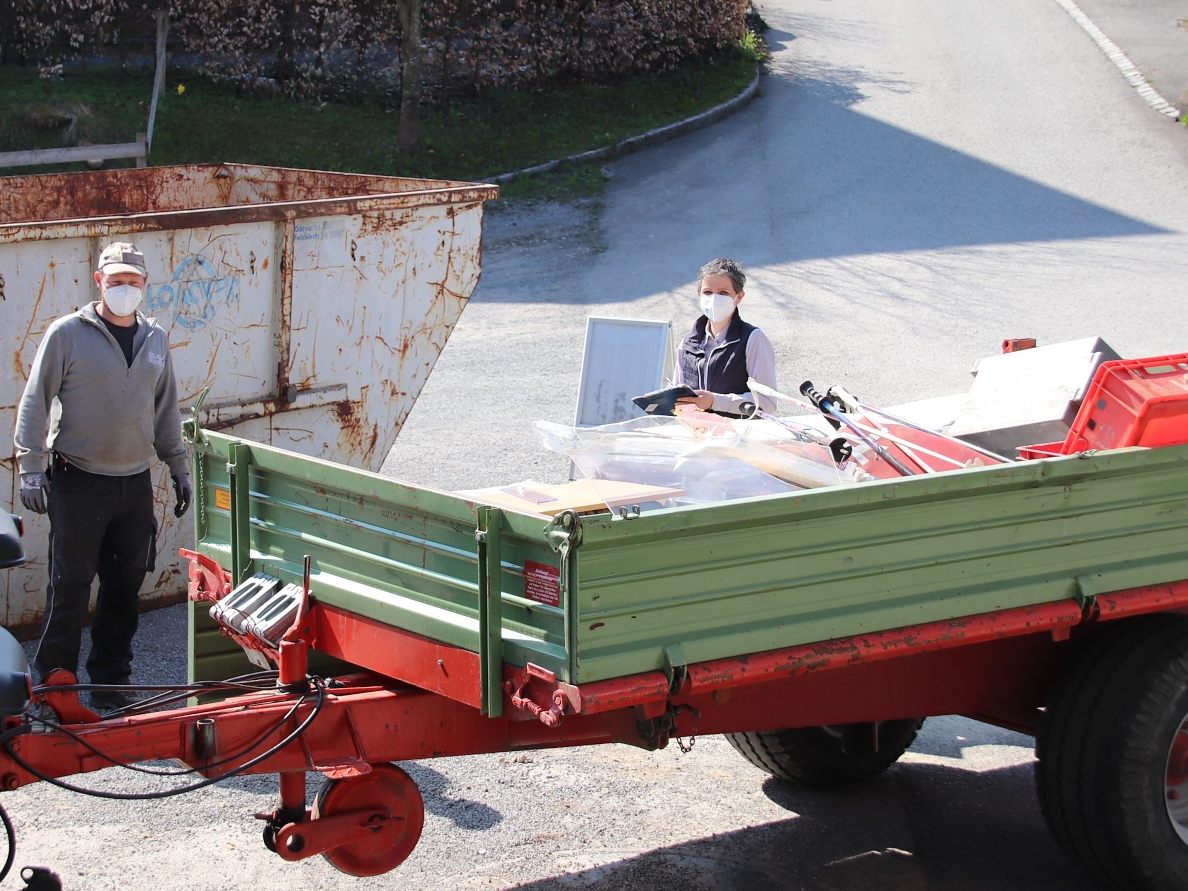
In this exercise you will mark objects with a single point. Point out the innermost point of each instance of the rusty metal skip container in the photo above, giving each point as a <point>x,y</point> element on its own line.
<point>313,305</point>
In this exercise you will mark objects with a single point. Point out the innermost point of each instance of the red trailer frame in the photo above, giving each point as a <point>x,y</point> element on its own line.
<point>999,667</point>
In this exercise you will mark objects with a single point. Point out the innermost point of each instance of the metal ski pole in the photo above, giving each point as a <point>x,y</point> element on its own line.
<point>847,399</point>
<point>838,446</point>
<point>763,390</point>
<point>848,402</point>
<point>872,426</point>
<point>911,449</point>
<point>827,407</point>
<point>839,449</point>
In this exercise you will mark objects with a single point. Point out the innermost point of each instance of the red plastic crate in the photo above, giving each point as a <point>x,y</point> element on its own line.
<point>1040,450</point>
<point>1131,402</point>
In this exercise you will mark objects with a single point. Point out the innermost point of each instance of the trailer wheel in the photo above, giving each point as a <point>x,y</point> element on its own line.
<point>389,843</point>
<point>830,755</point>
<point>1112,769</point>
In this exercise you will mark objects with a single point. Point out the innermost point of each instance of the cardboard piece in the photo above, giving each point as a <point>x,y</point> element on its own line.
<point>582,496</point>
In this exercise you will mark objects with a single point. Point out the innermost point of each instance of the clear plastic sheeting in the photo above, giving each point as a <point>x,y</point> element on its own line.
<point>709,458</point>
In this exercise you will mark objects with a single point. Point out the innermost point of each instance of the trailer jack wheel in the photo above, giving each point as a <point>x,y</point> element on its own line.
<point>369,823</point>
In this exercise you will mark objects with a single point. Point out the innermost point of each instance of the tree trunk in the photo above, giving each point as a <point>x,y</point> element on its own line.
<point>409,130</point>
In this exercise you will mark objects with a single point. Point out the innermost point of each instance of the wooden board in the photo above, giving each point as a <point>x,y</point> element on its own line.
<point>579,495</point>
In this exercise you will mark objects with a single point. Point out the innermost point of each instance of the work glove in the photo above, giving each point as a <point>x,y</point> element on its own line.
<point>183,489</point>
<point>34,493</point>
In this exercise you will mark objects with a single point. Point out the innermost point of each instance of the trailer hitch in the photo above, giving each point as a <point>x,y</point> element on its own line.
<point>65,702</point>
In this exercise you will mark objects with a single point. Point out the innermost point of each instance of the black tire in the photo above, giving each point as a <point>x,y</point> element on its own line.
<point>819,757</point>
<point>1105,772</point>
<point>270,837</point>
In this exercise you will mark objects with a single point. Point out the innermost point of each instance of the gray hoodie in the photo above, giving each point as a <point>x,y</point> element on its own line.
<point>86,403</point>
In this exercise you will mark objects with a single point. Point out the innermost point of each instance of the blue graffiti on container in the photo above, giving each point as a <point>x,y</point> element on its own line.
<point>195,293</point>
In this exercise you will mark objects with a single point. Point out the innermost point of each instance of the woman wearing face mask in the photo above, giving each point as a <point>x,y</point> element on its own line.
<point>721,352</point>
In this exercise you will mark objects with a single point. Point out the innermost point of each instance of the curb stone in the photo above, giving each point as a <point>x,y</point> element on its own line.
<point>644,140</point>
<point>1122,62</point>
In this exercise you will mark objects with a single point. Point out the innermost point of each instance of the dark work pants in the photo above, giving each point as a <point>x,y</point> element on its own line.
<point>105,525</point>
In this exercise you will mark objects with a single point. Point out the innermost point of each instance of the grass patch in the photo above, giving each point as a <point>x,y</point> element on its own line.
<point>474,140</point>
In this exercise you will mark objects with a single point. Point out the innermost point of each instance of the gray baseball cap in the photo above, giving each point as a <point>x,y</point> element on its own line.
<point>120,256</point>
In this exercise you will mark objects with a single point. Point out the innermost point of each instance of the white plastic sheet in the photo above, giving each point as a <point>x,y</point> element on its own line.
<point>710,458</point>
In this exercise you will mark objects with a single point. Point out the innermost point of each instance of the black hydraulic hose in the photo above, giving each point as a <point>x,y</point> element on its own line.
<point>11,833</point>
<point>316,683</point>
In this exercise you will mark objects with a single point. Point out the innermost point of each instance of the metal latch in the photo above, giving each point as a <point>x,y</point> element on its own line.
<point>565,532</point>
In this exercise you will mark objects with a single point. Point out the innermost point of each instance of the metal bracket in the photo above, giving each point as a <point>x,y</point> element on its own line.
<point>564,533</point>
<point>192,426</point>
<point>658,731</point>
<point>65,703</point>
<point>562,697</point>
<point>488,535</point>
<point>676,666</point>
<point>1085,595</point>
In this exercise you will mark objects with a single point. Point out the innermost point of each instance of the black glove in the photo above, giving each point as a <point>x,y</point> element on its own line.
<point>184,490</point>
<point>34,492</point>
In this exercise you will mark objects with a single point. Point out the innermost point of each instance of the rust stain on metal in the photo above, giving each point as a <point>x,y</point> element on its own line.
<point>345,411</point>
<point>361,438</point>
<point>18,362</point>
<point>284,362</point>
<point>59,205</point>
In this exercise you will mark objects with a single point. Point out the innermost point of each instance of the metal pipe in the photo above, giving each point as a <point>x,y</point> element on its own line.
<point>826,405</point>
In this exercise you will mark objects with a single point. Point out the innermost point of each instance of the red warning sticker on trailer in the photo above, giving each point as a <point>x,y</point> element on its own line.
<point>542,583</point>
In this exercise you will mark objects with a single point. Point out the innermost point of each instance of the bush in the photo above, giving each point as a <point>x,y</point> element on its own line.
<point>334,48</point>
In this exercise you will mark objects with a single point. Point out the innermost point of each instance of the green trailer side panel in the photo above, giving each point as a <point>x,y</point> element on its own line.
<point>831,563</point>
<point>711,581</point>
<point>401,555</point>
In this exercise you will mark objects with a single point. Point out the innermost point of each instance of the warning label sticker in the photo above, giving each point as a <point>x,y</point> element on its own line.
<point>542,583</point>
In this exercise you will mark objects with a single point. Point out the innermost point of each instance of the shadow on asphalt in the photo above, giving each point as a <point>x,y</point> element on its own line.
<point>804,173</point>
<point>919,826</point>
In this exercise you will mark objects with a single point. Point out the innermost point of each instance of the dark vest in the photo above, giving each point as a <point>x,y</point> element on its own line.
<point>725,369</point>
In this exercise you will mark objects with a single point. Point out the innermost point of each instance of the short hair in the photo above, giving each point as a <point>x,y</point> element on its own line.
<point>724,266</point>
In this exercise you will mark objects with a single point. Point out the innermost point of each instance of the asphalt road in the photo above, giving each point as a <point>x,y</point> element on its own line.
<point>1154,36</point>
<point>917,181</point>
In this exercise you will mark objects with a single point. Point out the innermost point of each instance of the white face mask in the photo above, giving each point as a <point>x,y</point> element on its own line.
<point>717,307</point>
<point>122,300</point>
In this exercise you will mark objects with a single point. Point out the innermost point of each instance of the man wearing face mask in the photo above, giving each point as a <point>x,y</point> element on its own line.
<point>100,403</point>
<point>722,352</point>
